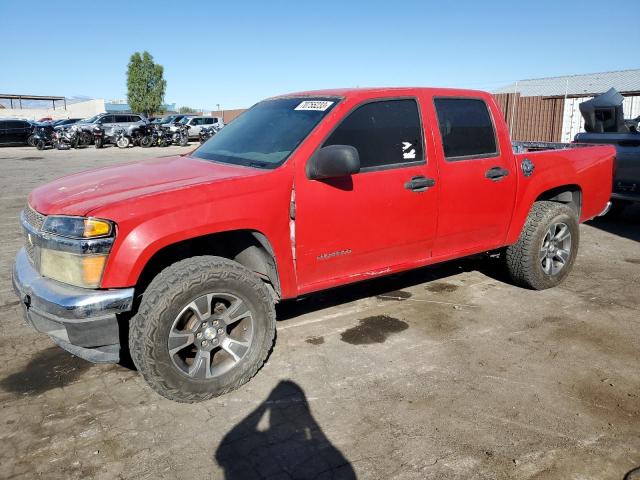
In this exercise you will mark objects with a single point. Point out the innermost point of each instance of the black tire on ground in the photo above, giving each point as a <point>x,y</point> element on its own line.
<point>31,141</point>
<point>98,142</point>
<point>40,145</point>
<point>146,141</point>
<point>168,294</point>
<point>524,259</point>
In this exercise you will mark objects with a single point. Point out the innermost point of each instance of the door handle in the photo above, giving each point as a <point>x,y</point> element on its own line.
<point>496,173</point>
<point>419,183</point>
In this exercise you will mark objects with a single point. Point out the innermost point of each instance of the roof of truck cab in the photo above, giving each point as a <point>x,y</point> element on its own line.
<point>384,91</point>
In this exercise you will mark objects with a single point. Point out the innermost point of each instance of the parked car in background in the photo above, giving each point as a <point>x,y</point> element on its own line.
<point>195,124</point>
<point>605,124</point>
<point>65,122</point>
<point>302,193</point>
<point>15,132</point>
<point>45,119</point>
<point>170,119</point>
<point>111,120</point>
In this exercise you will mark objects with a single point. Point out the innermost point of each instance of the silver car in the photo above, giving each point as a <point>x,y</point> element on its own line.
<point>196,123</point>
<point>110,120</point>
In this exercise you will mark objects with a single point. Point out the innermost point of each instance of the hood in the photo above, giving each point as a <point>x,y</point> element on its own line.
<point>83,192</point>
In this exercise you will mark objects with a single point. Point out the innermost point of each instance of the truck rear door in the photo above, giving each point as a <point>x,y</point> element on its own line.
<point>477,183</point>
<point>383,216</point>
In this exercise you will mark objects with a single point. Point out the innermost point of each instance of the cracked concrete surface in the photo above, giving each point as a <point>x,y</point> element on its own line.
<point>446,372</point>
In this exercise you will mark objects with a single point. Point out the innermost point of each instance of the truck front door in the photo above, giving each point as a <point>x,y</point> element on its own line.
<point>477,177</point>
<point>385,215</point>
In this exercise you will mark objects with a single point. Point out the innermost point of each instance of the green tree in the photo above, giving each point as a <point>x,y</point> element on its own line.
<point>145,84</point>
<point>187,110</point>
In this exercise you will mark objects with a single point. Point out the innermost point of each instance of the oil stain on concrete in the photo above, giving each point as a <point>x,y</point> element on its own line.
<point>315,340</point>
<point>374,329</point>
<point>48,369</point>
<point>396,295</point>
<point>441,287</point>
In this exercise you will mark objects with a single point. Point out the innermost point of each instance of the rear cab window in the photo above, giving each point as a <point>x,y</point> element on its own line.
<point>386,133</point>
<point>466,128</point>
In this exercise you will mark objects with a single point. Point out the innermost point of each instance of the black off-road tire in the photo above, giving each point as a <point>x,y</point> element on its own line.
<point>172,289</point>
<point>522,258</point>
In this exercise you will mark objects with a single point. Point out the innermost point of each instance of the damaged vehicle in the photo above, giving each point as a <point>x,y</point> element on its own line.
<point>604,123</point>
<point>182,259</point>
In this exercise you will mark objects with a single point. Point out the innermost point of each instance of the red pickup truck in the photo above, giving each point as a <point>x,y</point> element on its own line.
<point>184,257</point>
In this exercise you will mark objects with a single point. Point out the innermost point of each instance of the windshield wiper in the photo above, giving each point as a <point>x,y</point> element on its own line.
<point>257,164</point>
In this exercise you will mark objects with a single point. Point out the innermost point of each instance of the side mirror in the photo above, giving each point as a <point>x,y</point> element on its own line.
<point>332,162</point>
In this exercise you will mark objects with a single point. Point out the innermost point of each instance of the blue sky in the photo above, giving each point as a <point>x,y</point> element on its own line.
<point>236,52</point>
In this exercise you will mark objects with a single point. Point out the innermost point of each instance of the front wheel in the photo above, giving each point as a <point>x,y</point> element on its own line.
<point>204,327</point>
<point>184,140</point>
<point>146,141</point>
<point>31,141</point>
<point>547,248</point>
<point>123,142</point>
<point>40,145</point>
<point>98,142</point>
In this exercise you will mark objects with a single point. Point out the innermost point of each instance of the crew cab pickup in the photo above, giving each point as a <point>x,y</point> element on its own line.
<point>182,259</point>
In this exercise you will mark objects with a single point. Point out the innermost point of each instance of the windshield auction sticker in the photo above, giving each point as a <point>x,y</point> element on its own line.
<point>320,105</point>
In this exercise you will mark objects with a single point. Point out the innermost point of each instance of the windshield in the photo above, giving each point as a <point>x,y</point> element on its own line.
<point>90,120</point>
<point>265,135</point>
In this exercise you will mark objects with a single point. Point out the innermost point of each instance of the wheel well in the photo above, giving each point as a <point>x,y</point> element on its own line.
<point>570,195</point>
<point>247,247</point>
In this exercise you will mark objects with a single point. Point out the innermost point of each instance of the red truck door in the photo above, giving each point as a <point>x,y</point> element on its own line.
<point>385,215</point>
<point>477,183</point>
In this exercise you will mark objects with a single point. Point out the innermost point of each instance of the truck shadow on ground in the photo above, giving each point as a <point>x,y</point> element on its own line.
<point>48,369</point>
<point>391,287</point>
<point>625,225</point>
<point>281,439</point>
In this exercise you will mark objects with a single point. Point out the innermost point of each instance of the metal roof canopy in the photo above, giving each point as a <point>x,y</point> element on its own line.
<point>11,98</point>
<point>625,81</point>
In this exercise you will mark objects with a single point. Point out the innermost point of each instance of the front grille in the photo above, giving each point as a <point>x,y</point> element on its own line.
<point>34,218</point>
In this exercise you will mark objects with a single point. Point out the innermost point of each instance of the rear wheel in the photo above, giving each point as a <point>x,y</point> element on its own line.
<point>31,141</point>
<point>204,327</point>
<point>547,247</point>
<point>40,145</point>
<point>146,141</point>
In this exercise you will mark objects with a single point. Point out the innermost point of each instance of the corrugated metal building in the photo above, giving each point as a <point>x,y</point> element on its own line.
<point>546,109</point>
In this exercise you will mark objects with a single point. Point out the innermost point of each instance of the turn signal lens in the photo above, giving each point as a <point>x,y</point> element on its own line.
<point>96,228</point>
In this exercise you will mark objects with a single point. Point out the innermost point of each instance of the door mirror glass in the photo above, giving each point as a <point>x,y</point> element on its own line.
<point>333,161</point>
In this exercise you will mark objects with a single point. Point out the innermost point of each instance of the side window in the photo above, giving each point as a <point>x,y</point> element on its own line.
<point>134,118</point>
<point>466,128</point>
<point>107,119</point>
<point>208,121</point>
<point>122,118</point>
<point>384,132</point>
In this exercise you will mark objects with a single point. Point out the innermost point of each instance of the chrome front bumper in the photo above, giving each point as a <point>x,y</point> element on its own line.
<point>80,320</point>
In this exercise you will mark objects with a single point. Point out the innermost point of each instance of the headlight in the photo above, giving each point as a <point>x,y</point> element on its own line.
<point>74,269</point>
<point>77,227</point>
